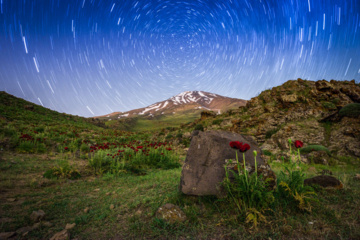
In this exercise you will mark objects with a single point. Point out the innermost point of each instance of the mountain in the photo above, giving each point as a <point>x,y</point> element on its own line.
<point>188,102</point>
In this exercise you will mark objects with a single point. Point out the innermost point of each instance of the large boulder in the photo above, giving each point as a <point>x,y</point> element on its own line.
<point>203,170</point>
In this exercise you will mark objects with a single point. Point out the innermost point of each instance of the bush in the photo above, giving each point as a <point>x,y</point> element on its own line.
<point>63,170</point>
<point>291,192</point>
<point>271,132</point>
<point>328,105</point>
<point>169,136</point>
<point>351,110</point>
<point>27,147</point>
<point>217,121</point>
<point>310,148</point>
<point>179,135</point>
<point>199,127</point>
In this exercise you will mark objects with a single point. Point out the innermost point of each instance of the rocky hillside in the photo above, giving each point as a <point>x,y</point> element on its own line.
<point>317,113</point>
<point>183,103</point>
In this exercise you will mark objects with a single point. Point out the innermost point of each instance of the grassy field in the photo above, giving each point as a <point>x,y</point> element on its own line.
<point>124,206</point>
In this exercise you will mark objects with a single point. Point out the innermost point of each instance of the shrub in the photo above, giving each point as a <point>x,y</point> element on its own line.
<point>27,147</point>
<point>328,105</point>
<point>199,127</point>
<point>351,110</point>
<point>179,135</point>
<point>271,132</point>
<point>63,170</point>
<point>217,121</point>
<point>267,153</point>
<point>310,148</point>
<point>291,191</point>
<point>169,136</point>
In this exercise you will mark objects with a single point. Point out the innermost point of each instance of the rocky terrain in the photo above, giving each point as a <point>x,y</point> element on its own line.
<point>310,111</point>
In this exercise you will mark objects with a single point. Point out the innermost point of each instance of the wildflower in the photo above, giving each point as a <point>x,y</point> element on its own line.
<point>244,147</point>
<point>235,144</point>
<point>139,147</point>
<point>66,148</point>
<point>298,144</point>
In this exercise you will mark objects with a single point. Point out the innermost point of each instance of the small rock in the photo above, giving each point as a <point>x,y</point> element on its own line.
<point>6,220</point>
<point>37,216</point>
<point>357,176</point>
<point>47,224</point>
<point>23,230</point>
<point>112,206</point>
<point>63,235</point>
<point>86,210</point>
<point>36,226</point>
<point>170,213</point>
<point>324,181</point>
<point>7,235</point>
<point>11,199</point>
<point>138,212</point>
<point>70,226</point>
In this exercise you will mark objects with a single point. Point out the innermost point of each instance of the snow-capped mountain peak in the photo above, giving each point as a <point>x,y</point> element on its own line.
<point>186,101</point>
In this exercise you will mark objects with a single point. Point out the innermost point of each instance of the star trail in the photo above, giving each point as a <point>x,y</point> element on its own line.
<point>93,57</point>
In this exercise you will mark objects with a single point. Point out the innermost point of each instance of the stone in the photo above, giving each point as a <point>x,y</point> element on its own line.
<point>203,170</point>
<point>11,199</point>
<point>324,181</point>
<point>63,235</point>
<point>70,226</point>
<point>289,98</point>
<point>47,224</point>
<point>7,235</point>
<point>170,213</point>
<point>357,176</point>
<point>86,210</point>
<point>23,230</point>
<point>318,157</point>
<point>37,216</point>
<point>6,220</point>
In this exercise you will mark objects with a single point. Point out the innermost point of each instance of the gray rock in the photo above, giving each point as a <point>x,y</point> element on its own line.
<point>37,216</point>
<point>203,170</point>
<point>63,235</point>
<point>324,181</point>
<point>70,226</point>
<point>7,235</point>
<point>170,213</point>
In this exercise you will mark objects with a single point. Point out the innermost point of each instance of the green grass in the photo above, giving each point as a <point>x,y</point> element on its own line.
<point>136,199</point>
<point>311,148</point>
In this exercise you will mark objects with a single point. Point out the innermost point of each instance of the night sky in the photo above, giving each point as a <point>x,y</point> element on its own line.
<point>93,57</point>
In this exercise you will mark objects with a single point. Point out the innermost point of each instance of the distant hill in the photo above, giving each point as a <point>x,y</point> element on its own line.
<point>182,108</point>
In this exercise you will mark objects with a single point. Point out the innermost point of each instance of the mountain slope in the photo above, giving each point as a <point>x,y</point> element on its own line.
<point>189,102</point>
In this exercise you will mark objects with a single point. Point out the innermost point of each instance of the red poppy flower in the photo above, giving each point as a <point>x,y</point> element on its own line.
<point>235,144</point>
<point>299,144</point>
<point>66,148</point>
<point>244,147</point>
<point>139,147</point>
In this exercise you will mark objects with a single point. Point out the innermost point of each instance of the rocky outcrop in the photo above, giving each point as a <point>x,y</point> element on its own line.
<point>203,170</point>
<point>305,110</point>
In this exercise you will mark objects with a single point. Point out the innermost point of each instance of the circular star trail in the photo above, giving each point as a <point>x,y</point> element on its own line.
<point>93,57</point>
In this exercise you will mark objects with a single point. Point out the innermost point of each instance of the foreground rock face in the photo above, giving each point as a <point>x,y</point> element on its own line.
<point>203,170</point>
